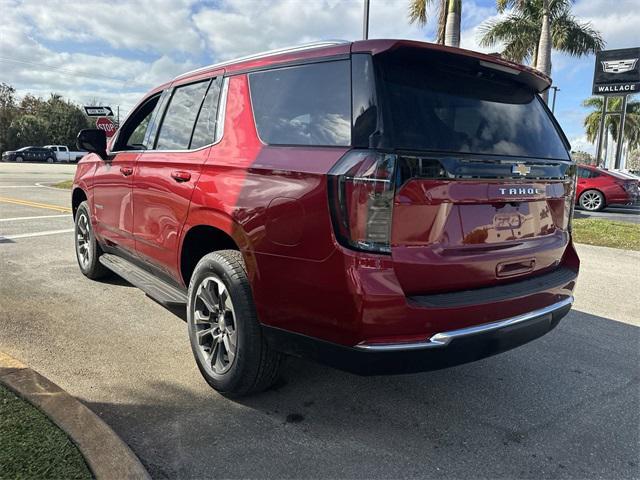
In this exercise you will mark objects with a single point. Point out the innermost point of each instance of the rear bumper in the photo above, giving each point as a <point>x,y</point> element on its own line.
<point>441,350</point>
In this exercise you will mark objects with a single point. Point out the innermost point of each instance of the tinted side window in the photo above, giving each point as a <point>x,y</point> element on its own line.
<point>137,136</point>
<point>132,133</point>
<point>304,105</point>
<point>586,173</point>
<point>177,125</point>
<point>205,130</point>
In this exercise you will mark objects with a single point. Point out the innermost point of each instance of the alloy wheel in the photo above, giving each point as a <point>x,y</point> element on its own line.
<point>591,200</point>
<point>214,325</point>
<point>83,240</point>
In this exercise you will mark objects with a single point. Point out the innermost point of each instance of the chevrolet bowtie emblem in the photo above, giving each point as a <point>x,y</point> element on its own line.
<point>520,169</point>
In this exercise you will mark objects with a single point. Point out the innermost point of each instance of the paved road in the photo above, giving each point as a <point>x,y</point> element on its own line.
<point>564,406</point>
<point>619,213</point>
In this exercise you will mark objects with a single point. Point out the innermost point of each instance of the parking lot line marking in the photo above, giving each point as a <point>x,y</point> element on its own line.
<point>34,234</point>
<point>27,203</point>
<point>15,219</point>
<point>21,186</point>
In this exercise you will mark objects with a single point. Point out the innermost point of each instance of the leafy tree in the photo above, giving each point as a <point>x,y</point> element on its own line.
<point>7,113</point>
<point>534,27</point>
<point>64,120</point>
<point>449,14</point>
<point>35,121</point>
<point>633,161</point>
<point>612,122</point>
<point>28,130</point>
<point>582,157</point>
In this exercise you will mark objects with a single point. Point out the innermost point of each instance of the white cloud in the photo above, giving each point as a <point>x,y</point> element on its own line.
<point>147,42</point>
<point>151,25</point>
<point>32,67</point>
<point>580,143</point>
<point>470,36</point>
<point>240,27</point>
<point>618,20</point>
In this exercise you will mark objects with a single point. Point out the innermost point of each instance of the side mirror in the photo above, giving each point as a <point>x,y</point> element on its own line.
<point>93,140</point>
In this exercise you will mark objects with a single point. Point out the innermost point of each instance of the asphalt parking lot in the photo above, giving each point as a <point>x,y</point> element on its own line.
<point>564,406</point>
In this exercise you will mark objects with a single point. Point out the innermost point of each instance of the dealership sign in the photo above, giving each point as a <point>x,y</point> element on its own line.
<point>617,72</point>
<point>107,125</point>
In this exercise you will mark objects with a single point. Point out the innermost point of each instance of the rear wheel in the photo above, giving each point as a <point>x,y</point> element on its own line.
<point>592,200</point>
<point>88,250</point>
<point>49,159</point>
<point>226,339</point>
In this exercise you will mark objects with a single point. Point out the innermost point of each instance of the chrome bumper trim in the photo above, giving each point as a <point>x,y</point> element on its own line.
<point>443,339</point>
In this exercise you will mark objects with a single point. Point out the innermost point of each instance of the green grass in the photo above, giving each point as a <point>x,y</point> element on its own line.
<point>64,184</point>
<point>607,233</point>
<point>31,446</point>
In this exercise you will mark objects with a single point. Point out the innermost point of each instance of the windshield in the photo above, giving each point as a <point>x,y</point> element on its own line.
<point>443,108</point>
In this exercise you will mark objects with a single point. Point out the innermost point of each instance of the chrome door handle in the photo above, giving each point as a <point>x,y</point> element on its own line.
<point>126,171</point>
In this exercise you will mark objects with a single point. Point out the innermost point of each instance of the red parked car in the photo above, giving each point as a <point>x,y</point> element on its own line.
<point>598,188</point>
<point>381,206</point>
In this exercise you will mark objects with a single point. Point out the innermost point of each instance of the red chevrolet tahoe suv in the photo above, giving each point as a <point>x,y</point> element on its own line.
<point>380,206</point>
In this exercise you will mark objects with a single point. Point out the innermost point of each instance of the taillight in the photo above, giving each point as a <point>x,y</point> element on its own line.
<point>361,190</point>
<point>629,186</point>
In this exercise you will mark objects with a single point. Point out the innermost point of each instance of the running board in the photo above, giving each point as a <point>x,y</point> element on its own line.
<point>159,290</point>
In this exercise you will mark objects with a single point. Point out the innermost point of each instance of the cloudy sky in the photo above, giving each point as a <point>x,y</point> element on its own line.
<point>112,52</point>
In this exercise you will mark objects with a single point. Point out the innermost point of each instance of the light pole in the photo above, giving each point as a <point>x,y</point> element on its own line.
<point>365,21</point>
<point>553,103</point>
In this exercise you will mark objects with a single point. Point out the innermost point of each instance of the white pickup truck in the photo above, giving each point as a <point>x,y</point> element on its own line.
<point>63,154</point>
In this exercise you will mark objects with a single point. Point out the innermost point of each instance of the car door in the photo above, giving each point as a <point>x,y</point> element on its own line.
<point>165,176</point>
<point>112,206</point>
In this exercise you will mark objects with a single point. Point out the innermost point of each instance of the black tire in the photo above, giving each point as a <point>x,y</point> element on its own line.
<point>88,259</point>
<point>592,200</point>
<point>254,366</point>
<point>19,159</point>
<point>50,160</point>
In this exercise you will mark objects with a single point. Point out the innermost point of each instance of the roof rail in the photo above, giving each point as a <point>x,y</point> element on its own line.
<point>255,56</point>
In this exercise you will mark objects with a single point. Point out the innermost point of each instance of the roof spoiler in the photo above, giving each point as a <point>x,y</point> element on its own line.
<point>531,77</point>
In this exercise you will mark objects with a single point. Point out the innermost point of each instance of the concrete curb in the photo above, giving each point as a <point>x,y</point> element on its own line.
<point>107,456</point>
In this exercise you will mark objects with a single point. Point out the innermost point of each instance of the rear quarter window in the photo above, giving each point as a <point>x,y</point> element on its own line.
<point>303,105</point>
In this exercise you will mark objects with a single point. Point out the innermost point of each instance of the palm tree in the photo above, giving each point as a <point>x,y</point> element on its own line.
<point>533,27</point>
<point>449,14</point>
<point>612,122</point>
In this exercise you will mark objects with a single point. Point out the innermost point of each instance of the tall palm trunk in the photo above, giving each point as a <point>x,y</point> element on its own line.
<point>543,62</point>
<point>452,28</point>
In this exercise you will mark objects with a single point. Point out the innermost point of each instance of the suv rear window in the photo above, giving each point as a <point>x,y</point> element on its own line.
<point>303,105</point>
<point>443,108</point>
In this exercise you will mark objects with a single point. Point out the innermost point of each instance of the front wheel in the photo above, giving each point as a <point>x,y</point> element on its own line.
<point>88,250</point>
<point>49,159</point>
<point>226,338</point>
<point>19,159</point>
<point>592,200</point>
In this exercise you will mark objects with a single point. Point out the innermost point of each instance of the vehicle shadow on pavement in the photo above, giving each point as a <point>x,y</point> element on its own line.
<point>565,405</point>
<point>113,279</point>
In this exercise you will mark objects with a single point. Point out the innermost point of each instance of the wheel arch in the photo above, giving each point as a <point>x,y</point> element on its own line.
<point>200,239</point>
<point>77,197</point>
